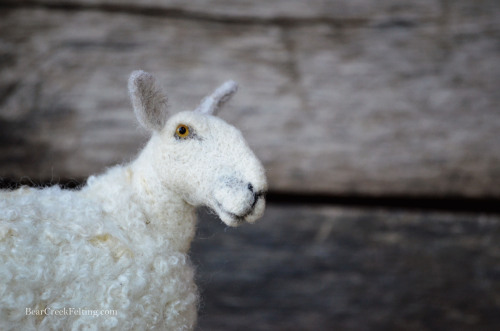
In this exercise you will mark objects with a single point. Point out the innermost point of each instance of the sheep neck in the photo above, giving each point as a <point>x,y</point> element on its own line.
<point>167,215</point>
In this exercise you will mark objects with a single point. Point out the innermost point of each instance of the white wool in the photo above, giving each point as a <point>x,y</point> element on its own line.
<point>119,245</point>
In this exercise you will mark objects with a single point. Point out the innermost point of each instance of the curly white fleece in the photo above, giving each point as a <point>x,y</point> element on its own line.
<point>121,242</point>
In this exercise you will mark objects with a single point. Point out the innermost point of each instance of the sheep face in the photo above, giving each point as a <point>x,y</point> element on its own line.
<point>200,157</point>
<point>208,162</point>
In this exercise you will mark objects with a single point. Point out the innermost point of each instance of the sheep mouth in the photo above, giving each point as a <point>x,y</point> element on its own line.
<point>238,219</point>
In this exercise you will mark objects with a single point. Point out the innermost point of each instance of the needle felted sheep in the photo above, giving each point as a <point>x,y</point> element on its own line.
<point>113,255</point>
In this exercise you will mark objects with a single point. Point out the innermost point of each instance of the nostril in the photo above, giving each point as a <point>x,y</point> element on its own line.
<point>255,198</point>
<point>250,187</point>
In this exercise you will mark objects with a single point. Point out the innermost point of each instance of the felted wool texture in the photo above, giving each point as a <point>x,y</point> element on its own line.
<point>121,242</point>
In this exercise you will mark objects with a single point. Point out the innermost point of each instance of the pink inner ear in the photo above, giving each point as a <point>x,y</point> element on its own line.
<point>211,104</point>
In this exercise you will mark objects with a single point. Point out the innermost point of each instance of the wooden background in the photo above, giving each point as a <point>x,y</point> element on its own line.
<point>339,99</point>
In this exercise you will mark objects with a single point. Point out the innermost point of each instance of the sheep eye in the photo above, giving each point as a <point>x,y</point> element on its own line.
<point>182,131</point>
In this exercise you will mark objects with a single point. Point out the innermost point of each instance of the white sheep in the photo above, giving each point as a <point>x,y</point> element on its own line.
<point>113,255</point>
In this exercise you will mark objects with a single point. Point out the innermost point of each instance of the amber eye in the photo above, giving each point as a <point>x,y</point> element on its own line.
<point>182,131</point>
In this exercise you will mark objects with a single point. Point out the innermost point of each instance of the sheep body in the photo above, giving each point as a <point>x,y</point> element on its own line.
<point>42,245</point>
<point>119,245</point>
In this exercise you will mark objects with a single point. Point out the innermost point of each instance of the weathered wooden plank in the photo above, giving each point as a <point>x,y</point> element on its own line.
<point>398,109</point>
<point>258,10</point>
<point>377,108</point>
<point>305,268</point>
<point>472,16</point>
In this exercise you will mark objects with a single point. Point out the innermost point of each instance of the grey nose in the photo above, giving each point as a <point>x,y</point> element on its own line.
<point>256,195</point>
<point>235,196</point>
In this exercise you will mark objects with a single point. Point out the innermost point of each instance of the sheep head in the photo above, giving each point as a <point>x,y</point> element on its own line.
<point>199,156</point>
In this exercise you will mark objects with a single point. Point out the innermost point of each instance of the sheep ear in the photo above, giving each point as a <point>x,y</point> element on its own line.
<point>212,103</point>
<point>148,100</point>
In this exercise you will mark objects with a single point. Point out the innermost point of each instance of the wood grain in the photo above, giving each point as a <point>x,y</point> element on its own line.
<point>403,101</point>
<point>303,268</point>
